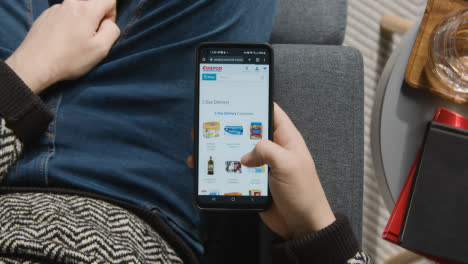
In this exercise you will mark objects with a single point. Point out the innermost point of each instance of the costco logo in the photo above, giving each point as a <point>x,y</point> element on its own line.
<point>212,68</point>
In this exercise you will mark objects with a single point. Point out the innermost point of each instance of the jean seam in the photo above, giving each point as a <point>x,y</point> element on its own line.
<point>29,11</point>
<point>51,145</point>
<point>41,164</point>
<point>41,169</point>
<point>49,135</point>
<point>138,13</point>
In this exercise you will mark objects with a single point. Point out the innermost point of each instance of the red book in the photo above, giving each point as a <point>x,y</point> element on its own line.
<point>393,228</point>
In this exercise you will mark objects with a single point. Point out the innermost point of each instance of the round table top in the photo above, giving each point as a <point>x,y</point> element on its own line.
<point>399,121</point>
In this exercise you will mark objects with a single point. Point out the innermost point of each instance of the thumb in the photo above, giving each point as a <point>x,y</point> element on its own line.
<point>265,152</point>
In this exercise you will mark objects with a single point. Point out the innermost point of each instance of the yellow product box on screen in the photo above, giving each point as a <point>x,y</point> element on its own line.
<point>211,129</point>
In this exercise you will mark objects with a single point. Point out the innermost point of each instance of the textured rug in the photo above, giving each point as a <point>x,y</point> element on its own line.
<point>363,33</point>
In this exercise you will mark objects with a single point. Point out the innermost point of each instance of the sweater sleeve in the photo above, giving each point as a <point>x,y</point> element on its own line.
<point>334,244</point>
<point>10,148</point>
<point>23,111</point>
<point>23,117</point>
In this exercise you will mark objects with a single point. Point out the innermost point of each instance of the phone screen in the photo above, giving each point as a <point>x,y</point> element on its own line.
<point>233,116</point>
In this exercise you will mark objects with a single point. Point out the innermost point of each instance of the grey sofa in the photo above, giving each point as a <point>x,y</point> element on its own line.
<point>319,83</point>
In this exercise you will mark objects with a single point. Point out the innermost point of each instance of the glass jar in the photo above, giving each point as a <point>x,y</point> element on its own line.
<point>447,69</point>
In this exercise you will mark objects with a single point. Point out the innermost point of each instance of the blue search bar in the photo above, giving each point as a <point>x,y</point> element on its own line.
<point>209,77</point>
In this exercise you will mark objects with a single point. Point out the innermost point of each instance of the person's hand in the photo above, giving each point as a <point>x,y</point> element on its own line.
<point>66,42</point>
<point>299,202</point>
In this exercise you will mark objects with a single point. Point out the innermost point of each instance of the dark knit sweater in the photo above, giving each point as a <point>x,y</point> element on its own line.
<point>29,216</point>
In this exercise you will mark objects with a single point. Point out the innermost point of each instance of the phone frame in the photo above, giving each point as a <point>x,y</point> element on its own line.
<point>233,206</point>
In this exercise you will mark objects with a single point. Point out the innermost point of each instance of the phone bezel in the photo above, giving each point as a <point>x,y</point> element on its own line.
<point>229,206</point>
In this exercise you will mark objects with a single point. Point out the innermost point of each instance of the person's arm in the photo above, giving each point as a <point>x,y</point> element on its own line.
<point>300,213</point>
<point>51,52</point>
<point>23,116</point>
<point>333,244</point>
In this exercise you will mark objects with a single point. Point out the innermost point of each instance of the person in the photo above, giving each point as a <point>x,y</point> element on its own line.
<point>76,165</point>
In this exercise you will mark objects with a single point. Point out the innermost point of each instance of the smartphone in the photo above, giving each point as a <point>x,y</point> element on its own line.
<point>233,112</point>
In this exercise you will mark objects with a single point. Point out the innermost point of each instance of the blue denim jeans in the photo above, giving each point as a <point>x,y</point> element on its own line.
<point>123,130</point>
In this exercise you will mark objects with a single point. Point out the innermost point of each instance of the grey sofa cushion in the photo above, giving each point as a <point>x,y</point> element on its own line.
<point>310,22</point>
<point>321,88</point>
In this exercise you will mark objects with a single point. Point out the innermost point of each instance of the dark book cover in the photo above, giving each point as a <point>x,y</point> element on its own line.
<point>436,220</point>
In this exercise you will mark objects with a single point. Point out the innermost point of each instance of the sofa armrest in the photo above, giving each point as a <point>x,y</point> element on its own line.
<point>310,22</point>
<point>321,89</point>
